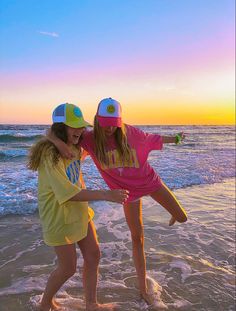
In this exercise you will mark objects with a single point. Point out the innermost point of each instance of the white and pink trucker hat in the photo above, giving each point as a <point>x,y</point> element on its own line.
<point>109,113</point>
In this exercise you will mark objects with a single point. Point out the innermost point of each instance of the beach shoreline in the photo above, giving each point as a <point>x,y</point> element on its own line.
<point>26,261</point>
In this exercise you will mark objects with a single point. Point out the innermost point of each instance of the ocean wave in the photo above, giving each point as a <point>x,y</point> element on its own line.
<point>198,182</point>
<point>13,138</point>
<point>6,156</point>
<point>25,203</point>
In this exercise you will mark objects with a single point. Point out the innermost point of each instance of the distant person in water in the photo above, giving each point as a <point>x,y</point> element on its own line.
<point>120,152</point>
<point>63,208</point>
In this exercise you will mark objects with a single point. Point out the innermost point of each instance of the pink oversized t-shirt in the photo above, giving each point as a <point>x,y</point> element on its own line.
<point>137,175</point>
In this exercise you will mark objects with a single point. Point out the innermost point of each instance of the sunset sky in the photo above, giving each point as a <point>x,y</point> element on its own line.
<point>166,61</point>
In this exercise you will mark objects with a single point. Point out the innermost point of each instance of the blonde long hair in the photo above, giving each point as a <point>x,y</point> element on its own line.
<point>123,147</point>
<point>44,146</point>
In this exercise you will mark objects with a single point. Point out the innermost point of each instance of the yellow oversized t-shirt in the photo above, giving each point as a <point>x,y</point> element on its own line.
<point>63,221</point>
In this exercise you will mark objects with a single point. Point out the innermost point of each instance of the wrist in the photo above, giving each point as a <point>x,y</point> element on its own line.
<point>178,139</point>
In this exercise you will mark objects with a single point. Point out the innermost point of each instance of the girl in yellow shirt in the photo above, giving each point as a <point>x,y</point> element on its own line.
<point>64,213</point>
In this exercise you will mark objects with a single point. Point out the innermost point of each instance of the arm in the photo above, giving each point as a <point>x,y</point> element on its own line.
<point>178,138</point>
<point>65,190</point>
<point>60,145</point>
<point>118,195</point>
<point>168,139</point>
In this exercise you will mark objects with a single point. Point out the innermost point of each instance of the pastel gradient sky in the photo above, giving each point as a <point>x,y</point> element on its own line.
<point>166,61</point>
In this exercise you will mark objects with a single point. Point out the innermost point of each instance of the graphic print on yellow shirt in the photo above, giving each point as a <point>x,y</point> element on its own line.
<point>73,171</point>
<point>115,160</point>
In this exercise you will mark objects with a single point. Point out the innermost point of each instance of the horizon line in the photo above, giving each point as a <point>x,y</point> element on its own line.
<point>47,124</point>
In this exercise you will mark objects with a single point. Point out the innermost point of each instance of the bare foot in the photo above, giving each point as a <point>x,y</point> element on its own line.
<point>149,298</point>
<point>101,307</point>
<point>53,306</point>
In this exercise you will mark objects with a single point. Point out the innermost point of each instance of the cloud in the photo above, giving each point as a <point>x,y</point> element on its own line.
<point>50,34</point>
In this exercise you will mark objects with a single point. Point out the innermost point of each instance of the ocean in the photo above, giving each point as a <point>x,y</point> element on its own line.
<point>191,264</point>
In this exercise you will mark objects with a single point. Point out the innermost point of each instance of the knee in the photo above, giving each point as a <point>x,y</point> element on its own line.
<point>183,218</point>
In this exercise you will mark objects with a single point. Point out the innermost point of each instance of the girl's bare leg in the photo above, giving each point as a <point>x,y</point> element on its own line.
<point>91,254</point>
<point>167,199</point>
<point>66,256</point>
<point>133,214</point>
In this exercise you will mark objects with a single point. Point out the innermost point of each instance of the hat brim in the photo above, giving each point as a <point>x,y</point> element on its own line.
<point>78,124</point>
<point>109,121</point>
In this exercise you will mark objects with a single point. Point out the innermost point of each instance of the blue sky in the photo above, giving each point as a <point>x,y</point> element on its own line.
<point>56,43</point>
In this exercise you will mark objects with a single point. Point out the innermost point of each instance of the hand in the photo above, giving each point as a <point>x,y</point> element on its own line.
<point>118,195</point>
<point>64,149</point>
<point>172,221</point>
<point>65,152</point>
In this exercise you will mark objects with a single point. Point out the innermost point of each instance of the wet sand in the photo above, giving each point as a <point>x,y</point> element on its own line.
<point>192,262</point>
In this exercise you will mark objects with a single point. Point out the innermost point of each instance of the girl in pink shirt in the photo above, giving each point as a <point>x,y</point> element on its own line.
<point>120,153</point>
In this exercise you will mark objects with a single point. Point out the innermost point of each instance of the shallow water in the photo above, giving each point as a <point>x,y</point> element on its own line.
<point>206,157</point>
<point>193,262</point>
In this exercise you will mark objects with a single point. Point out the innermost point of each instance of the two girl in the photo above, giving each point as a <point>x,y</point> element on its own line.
<point>120,152</point>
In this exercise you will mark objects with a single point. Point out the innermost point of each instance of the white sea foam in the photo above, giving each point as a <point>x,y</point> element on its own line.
<point>66,302</point>
<point>185,268</point>
<point>181,304</point>
<point>25,285</point>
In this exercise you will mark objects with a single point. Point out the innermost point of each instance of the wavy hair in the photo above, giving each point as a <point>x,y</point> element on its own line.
<point>44,146</point>
<point>122,145</point>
